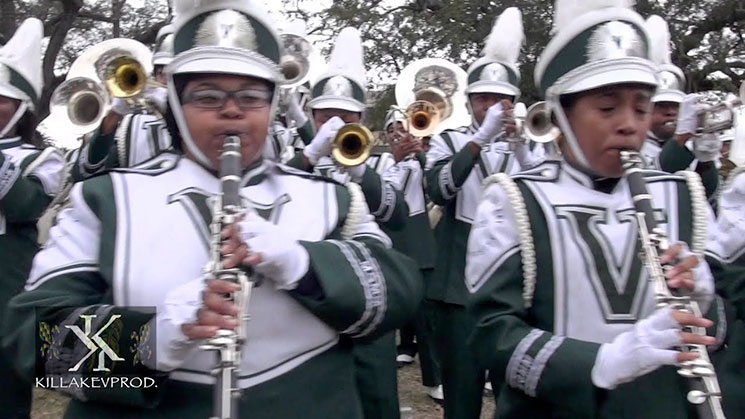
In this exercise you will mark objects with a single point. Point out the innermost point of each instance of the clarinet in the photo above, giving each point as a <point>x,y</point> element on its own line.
<point>703,384</point>
<point>227,343</point>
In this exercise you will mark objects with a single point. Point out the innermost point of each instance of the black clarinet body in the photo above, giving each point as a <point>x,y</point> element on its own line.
<point>704,392</point>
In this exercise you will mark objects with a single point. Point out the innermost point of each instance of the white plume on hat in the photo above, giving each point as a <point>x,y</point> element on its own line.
<point>22,54</point>
<point>506,37</point>
<point>335,88</point>
<point>347,58</point>
<point>659,35</point>
<point>296,27</point>
<point>566,11</point>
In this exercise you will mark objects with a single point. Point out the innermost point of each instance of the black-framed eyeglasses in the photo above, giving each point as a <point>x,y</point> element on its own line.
<point>216,99</point>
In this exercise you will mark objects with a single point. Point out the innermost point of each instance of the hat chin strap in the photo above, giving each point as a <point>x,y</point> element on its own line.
<point>566,130</point>
<point>178,114</point>
<point>470,112</point>
<point>22,108</point>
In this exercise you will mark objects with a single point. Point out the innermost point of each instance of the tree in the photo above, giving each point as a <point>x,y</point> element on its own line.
<point>708,39</point>
<point>74,25</point>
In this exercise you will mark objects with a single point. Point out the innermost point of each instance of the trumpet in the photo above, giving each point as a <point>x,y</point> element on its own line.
<point>352,145</point>
<point>720,117</point>
<point>115,68</point>
<point>537,125</point>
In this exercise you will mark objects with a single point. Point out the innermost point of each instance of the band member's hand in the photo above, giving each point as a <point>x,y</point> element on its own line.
<point>321,144</point>
<point>270,250</point>
<point>493,122</point>
<point>405,146</point>
<point>295,111</point>
<point>646,347</point>
<point>687,116</point>
<point>707,147</point>
<point>690,275</point>
<point>217,312</point>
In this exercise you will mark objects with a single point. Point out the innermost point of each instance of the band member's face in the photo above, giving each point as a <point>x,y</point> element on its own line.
<point>481,102</point>
<point>608,120</point>
<point>8,108</point>
<point>209,126</point>
<point>391,130</point>
<point>320,116</point>
<point>664,118</point>
<point>159,74</point>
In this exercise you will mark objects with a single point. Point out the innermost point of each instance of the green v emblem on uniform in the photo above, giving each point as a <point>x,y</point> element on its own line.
<point>612,266</point>
<point>199,205</point>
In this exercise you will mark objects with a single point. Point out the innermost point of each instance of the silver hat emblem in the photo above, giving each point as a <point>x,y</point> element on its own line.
<point>669,81</point>
<point>494,72</point>
<point>226,28</point>
<point>615,40</point>
<point>436,76</point>
<point>338,86</point>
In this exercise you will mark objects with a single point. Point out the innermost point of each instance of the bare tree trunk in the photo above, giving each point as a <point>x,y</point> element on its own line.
<point>116,16</point>
<point>70,10</point>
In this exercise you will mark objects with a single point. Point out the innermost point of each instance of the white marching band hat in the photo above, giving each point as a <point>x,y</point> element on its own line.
<point>595,44</point>
<point>20,64</point>
<point>163,53</point>
<point>342,86</point>
<point>671,78</point>
<point>235,37</point>
<point>496,71</point>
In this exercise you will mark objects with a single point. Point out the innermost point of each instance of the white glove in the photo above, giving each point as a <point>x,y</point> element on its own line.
<point>320,146</point>
<point>703,291</point>
<point>295,112</point>
<point>638,351</point>
<point>491,125</point>
<point>687,120</point>
<point>706,147</point>
<point>283,260</point>
<point>356,173</point>
<point>157,96</point>
<point>179,307</point>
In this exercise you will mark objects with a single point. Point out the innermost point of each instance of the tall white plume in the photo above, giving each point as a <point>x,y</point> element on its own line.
<point>659,34</point>
<point>506,37</point>
<point>565,11</point>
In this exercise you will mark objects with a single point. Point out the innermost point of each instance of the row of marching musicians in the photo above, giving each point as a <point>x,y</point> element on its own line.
<point>531,273</point>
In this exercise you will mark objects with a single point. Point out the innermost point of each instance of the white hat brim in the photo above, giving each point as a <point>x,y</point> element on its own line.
<point>608,77</point>
<point>13,93</point>
<point>224,61</point>
<point>335,102</point>
<point>492,87</point>
<point>668,96</point>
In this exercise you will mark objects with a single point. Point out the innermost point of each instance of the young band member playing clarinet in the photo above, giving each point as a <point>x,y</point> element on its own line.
<point>564,310</point>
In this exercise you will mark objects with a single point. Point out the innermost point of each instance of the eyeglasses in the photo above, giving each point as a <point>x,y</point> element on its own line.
<point>216,99</point>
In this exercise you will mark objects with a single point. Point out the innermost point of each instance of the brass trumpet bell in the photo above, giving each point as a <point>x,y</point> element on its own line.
<point>422,118</point>
<point>115,68</point>
<point>352,145</point>
<point>538,126</point>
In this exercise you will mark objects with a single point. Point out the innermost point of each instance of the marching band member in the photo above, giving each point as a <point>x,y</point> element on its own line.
<point>163,53</point>
<point>457,163</point>
<point>338,98</point>
<point>325,271</point>
<point>418,242</point>
<point>668,96</point>
<point>564,311</point>
<point>29,179</point>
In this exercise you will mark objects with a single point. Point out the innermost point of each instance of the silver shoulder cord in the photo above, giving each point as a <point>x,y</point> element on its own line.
<point>525,234</point>
<point>228,343</point>
<point>704,391</point>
